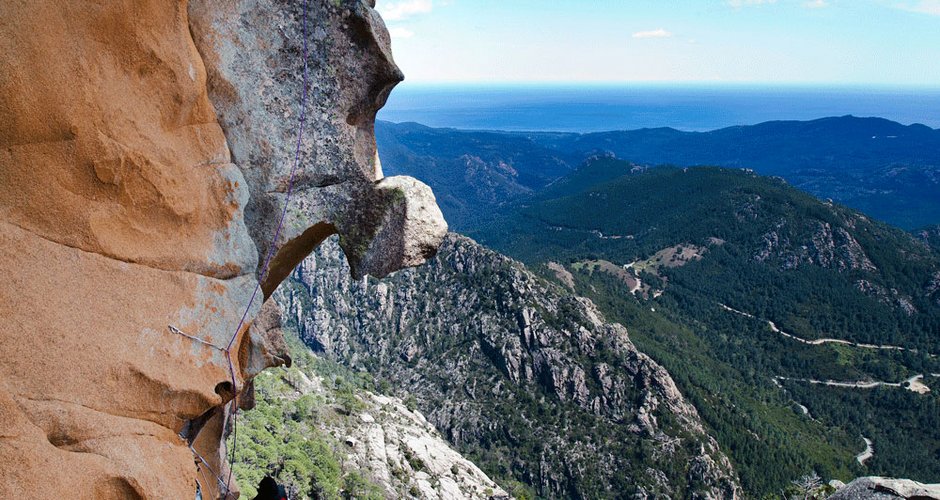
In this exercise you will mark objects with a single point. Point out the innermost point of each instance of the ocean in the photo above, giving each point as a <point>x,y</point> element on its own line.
<point>594,108</point>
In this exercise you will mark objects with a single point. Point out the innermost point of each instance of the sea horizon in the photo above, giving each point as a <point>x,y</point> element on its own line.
<point>688,106</point>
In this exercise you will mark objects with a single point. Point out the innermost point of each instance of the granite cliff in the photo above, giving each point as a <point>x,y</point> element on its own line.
<point>145,154</point>
<point>525,379</point>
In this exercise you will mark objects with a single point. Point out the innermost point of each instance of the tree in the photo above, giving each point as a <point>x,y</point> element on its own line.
<point>808,486</point>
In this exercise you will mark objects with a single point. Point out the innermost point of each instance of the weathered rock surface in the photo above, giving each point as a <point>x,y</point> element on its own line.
<point>878,488</point>
<point>123,209</point>
<point>253,54</point>
<point>519,375</point>
<point>400,450</point>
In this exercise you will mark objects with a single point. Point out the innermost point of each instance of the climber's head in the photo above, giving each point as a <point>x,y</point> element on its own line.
<point>268,489</point>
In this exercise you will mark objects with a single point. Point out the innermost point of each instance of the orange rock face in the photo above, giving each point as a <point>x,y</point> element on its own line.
<point>122,223</point>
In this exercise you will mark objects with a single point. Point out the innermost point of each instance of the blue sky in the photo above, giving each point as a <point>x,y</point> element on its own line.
<point>844,42</point>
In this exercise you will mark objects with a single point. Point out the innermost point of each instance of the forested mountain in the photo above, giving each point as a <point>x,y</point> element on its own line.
<point>887,170</point>
<point>738,284</point>
<point>524,378</point>
<point>797,327</point>
<point>765,242</point>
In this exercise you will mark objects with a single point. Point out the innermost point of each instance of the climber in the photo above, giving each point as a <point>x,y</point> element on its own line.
<point>268,489</point>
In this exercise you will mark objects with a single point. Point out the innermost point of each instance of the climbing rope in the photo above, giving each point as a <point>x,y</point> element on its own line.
<point>267,261</point>
<point>226,483</point>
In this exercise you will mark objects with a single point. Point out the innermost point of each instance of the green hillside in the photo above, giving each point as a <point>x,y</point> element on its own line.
<point>738,274</point>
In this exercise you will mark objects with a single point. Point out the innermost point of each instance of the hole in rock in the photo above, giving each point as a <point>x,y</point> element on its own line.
<point>224,389</point>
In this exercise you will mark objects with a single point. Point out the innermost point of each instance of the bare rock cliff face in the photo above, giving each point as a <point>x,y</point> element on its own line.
<point>386,442</point>
<point>145,155</point>
<point>527,380</point>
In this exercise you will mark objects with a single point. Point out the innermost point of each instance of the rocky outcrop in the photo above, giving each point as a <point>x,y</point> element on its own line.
<point>878,488</point>
<point>930,236</point>
<point>933,287</point>
<point>529,380</point>
<point>145,154</point>
<point>827,246</point>
<point>380,438</point>
<point>890,297</point>
<point>253,55</point>
<point>406,455</point>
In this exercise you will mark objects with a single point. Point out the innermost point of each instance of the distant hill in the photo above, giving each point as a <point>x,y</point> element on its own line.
<point>472,172</point>
<point>887,170</point>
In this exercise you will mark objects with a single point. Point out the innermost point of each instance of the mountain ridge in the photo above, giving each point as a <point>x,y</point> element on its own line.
<point>787,261</point>
<point>885,169</point>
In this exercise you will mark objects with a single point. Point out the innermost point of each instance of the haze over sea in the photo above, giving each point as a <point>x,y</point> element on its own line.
<point>692,107</point>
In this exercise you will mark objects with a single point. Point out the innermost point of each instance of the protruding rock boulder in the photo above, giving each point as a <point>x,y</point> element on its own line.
<point>883,488</point>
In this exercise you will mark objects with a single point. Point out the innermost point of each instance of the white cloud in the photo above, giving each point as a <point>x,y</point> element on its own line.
<point>816,4</point>
<point>403,9</point>
<point>399,32</point>
<point>931,7</point>
<point>745,3</point>
<point>660,33</point>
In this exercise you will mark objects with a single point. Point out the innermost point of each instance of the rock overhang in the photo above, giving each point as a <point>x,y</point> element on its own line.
<point>253,52</point>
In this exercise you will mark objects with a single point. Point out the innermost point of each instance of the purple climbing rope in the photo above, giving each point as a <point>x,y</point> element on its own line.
<point>270,253</point>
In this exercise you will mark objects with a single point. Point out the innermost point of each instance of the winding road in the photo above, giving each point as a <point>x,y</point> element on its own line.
<point>775,329</point>
<point>912,384</point>
<point>868,453</point>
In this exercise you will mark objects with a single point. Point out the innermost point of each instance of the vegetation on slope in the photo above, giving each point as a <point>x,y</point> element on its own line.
<point>815,269</point>
<point>522,377</point>
<point>282,435</point>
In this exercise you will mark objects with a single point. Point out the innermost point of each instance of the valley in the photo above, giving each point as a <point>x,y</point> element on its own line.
<point>525,379</point>
<point>652,330</point>
<point>833,330</point>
